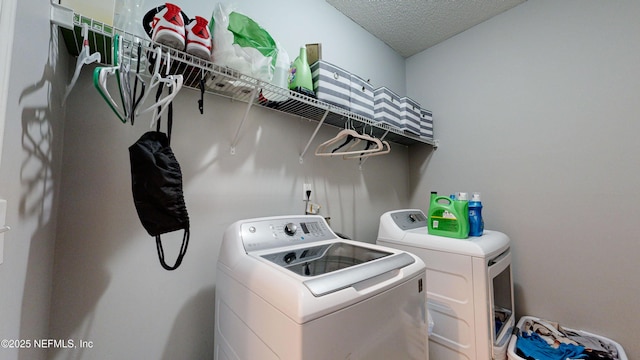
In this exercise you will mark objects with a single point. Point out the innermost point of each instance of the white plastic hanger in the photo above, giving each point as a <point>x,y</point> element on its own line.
<point>174,82</point>
<point>84,58</point>
<point>154,79</point>
<point>123,72</point>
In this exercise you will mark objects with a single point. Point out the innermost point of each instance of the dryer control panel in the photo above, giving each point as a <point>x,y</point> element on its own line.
<point>270,233</point>
<point>409,219</point>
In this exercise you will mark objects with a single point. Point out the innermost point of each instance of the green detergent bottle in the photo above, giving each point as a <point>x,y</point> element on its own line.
<point>300,79</point>
<point>448,217</point>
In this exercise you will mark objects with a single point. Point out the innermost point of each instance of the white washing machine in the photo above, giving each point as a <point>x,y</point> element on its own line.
<point>288,288</point>
<point>470,293</point>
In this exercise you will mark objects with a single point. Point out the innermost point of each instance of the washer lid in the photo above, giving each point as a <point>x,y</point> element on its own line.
<point>335,281</point>
<point>324,258</point>
<point>337,265</point>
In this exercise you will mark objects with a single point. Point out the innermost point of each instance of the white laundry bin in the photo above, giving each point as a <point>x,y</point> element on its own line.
<point>511,350</point>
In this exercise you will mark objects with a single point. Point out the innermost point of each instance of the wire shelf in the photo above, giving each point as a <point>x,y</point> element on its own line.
<point>227,82</point>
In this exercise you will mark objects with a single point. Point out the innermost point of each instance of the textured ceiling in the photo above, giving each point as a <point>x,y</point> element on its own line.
<point>410,26</point>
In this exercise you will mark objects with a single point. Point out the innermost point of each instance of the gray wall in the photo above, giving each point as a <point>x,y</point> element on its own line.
<point>30,177</point>
<point>108,285</point>
<point>538,110</point>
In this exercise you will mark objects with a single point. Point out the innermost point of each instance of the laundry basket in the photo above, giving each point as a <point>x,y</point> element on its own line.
<point>525,321</point>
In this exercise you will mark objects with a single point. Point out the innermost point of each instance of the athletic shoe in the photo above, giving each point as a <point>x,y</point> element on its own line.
<point>198,38</point>
<point>168,27</point>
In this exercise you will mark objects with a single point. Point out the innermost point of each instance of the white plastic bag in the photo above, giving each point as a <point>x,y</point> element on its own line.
<point>248,60</point>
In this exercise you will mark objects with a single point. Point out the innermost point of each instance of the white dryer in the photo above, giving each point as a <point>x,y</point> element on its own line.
<point>470,293</point>
<point>288,288</point>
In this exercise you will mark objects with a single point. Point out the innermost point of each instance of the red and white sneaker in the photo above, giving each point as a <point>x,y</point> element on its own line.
<point>168,27</point>
<point>198,38</point>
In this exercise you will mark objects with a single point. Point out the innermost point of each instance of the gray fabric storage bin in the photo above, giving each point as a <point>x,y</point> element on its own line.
<point>426,124</point>
<point>361,99</point>
<point>331,84</point>
<point>386,107</point>
<point>410,115</point>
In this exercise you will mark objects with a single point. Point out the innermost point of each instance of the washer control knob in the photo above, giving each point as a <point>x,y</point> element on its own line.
<point>289,257</point>
<point>290,229</point>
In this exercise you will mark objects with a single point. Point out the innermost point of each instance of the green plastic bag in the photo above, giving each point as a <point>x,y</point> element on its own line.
<point>240,43</point>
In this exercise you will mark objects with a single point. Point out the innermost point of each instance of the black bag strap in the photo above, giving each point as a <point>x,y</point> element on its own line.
<point>183,250</point>
<point>186,235</point>
<point>169,113</point>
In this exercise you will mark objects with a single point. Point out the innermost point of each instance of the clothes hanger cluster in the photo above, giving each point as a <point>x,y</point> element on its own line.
<point>172,82</point>
<point>130,100</point>
<point>351,146</point>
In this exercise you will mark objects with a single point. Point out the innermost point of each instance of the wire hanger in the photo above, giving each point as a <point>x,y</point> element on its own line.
<point>84,58</point>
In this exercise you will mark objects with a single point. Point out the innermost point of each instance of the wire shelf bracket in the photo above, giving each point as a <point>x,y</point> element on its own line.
<point>315,132</point>
<point>244,118</point>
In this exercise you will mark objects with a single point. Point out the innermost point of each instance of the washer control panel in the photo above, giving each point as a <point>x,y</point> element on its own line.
<point>269,233</point>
